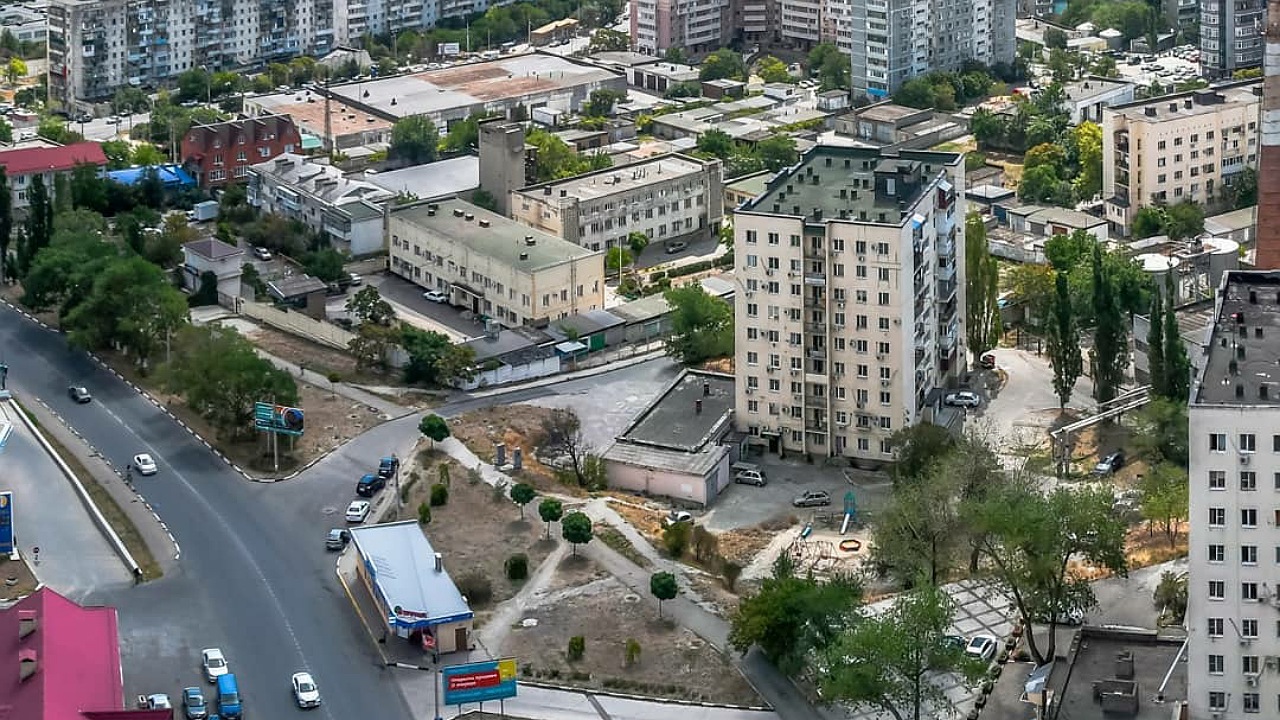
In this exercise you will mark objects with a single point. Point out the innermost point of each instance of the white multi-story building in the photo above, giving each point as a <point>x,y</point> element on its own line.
<point>1233,608</point>
<point>1231,36</point>
<point>1186,146</point>
<point>321,197</point>
<point>27,21</point>
<point>850,312</point>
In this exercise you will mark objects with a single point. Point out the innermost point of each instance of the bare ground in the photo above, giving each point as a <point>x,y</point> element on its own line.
<point>313,356</point>
<point>17,578</point>
<point>514,426</point>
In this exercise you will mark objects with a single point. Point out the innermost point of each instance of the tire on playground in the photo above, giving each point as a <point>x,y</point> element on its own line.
<point>851,545</point>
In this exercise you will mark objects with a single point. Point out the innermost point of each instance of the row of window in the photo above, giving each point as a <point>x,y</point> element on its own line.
<point>796,438</point>
<point>1249,702</point>
<point>1248,590</point>
<point>773,264</point>
<point>1248,517</point>
<point>1248,480</point>
<point>1245,443</point>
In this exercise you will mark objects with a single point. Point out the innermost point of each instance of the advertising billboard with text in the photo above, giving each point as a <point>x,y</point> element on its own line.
<point>479,682</point>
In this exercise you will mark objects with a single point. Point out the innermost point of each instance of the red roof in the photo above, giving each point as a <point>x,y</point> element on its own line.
<point>49,159</point>
<point>77,653</point>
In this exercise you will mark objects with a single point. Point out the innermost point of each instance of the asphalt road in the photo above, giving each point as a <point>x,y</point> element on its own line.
<point>249,582</point>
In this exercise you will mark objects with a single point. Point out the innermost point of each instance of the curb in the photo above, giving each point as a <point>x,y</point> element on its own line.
<point>6,604</point>
<point>642,698</point>
<point>177,549</point>
<point>337,570</point>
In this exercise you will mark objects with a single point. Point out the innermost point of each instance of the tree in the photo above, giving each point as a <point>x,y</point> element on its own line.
<point>325,265</point>
<point>434,359</point>
<point>701,325</point>
<point>637,241</point>
<point>1042,184</point>
<point>146,155</point>
<point>369,346</point>
<point>434,428</point>
<point>1086,139</point>
<point>772,70</point>
<point>39,225</point>
<point>777,152</point>
<point>6,225</point>
<point>723,64</point>
<point>1110,333</point>
<point>1160,430</point>
<point>485,199</point>
<point>1183,220</point>
<point>916,93</point>
<point>1244,191</point>
<point>608,40</point>
<point>988,128</point>
<point>883,660</point>
<point>464,135</point>
<point>915,533</point>
<point>562,433</point>
<point>15,69</point>
<point>522,494</point>
<point>716,143</point>
<point>6,132</point>
<point>982,279</point>
<point>165,247</point>
<point>414,140</point>
<point>1177,366</point>
<point>555,159</point>
<point>195,85</point>
<point>917,448</point>
<point>1158,380</point>
<point>1148,221</point>
<point>676,55</point>
<point>600,103</point>
<point>617,258</point>
<point>129,100</point>
<point>368,306</point>
<point>1170,597</point>
<point>87,190</point>
<point>1165,498</point>
<point>576,529</point>
<point>1063,342</point>
<point>829,67</point>
<point>207,293</point>
<point>664,587</point>
<point>1055,39</point>
<point>550,510</point>
<point>1030,538</point>
<point>131,305</point>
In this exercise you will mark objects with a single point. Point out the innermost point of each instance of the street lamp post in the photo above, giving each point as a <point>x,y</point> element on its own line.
<point>398,498</point>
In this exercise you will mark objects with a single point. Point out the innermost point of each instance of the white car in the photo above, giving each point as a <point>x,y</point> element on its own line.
<point>143,463</point>
<point>305,690</point>
<point>214,664</point>
<point>358,511</point>
<point>262,253</point>
<point>159,701</point>
<point>981,647</point>
<point>676,517</point>
<point>436,296</point>
<point>964,398</point>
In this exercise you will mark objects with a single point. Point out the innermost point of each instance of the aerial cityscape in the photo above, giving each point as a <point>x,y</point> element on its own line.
<point>720,359</point>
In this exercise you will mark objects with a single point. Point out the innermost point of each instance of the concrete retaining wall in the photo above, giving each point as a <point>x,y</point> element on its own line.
<point>295,323</point>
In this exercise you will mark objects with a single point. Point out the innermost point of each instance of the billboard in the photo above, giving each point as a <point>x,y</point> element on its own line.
<point>6,522</point>
<point>479,682</point>
<point>281,419</point>
<point>449,48</point>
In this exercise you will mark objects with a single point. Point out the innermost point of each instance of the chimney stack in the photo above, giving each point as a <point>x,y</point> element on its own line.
<point>697,407</point>
<point>1267,218</point>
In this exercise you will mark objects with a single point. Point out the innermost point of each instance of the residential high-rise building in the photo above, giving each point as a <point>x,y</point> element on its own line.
<point>698,26</point>
<point>849,314</point>
<point>1230,36</point>
<point>1233,608</point>
<point>1268,213</point>
<point>1186,146</point>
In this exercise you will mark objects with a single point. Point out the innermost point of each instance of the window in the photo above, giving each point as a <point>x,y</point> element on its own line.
<point>1217,517</point>
<point>1218,553</point>
<point>1248,554</point>
<point>1248,480</point>
<point>1249,664</point>
<point>884,274</point>
<point>1249,517</point>
<point>1249,628</point>
<point>1251,702</point>
<point>884,298</point>
<point>1248,442</point>
<point>1275,443</point>
<point>1217,700</point>
<point>1217,479</point>
<point>751,237</point>
<point>1216,665</point>
<point>1215,627</point>
<point>1249,591</point>
<point>1217,590</point>
<point>1217,442</point>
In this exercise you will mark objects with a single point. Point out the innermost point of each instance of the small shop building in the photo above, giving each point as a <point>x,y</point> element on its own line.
<point>412,590</point>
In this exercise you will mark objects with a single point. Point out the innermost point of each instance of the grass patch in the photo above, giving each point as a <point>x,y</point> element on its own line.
<point>614,538</point>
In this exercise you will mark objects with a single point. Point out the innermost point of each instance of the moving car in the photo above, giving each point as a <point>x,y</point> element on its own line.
<point>964,398</point>
<point>143,463</point>
<point>305,690</point>
<point>436,296</point>
<point>79,393</point>
<point>1110,463</point>
<point>981,647</point>
<point>677,516</point>
<point>354,280</point>
<point>987,362</point>
<point>214,664</point>
<point>357,511</point>
<point>370,484</point>
<point>262,253</point>
<point>229,705</point>
<point>337,539</point>
<point>159,701</point>
<point>812,498</point>
<point>194,704</point>
<point>676,246</point>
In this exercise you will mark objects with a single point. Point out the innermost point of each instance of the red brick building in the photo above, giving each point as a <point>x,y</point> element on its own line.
<point>223,152</point>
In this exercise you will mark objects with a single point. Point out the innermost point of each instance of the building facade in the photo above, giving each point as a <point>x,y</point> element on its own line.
<point>223,152</point>
<point>1267,218</point>
<point>850,321</point>
<point>322,198</point>
<point>1233,603</point>
<point>671,197</point>
<point>698,26</point>
<point>1231,36</point>
<point>23,165</point>
<point>492,266</point>
<point>1186,146</point>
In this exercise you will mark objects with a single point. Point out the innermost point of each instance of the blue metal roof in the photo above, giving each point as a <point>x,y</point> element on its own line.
<point>170,175</point>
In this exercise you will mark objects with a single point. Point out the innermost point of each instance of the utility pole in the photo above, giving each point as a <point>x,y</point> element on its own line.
<point>328,119</point>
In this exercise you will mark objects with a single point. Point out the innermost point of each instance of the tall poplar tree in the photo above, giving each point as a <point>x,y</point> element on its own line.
<point>1155,345</point>
<point>1110,336</point>
<point>1064,342</point>
<point>982,326</point>
<point>1177,366</point>
<point>6,225</point>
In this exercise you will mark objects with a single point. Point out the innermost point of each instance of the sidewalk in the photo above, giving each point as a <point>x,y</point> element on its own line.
<point>386,407</point>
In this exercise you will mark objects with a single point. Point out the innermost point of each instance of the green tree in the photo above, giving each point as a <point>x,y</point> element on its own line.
<point>982,278</point>
<point>1029,538</point>
<point>1183,220</point>
<point>723,64</point>
<point>988,128</point>
<point>522,494</point>
<point>555,159</point>
<point>1165,498</point>
<point>600,103</point>
<point>716,143</point>
<point>1177,366</point>
<point>637,241</point>
<point>15,69</point>
<point>1086,139</point>
<point>87,190</point>
<point>883,660</point>
<point>916,532</point>
<point>664,587</point>
<point>1063,342</point>
<point>129,100</point>
<point>916,93</point>
<point>39,225</point>
<point>6,132</point>
<point>1055,39</point>
<point>772,70</point>
<point>917,447</point>
<point>701,325</point>
<point>1041,184</point>
<point>550,510</point>
<point>434,359</point>
<point>464,135</point>
<point>131,305</point>
<point>484,199</point>
<point>367,306</point>
<point>146,155</point>
<point>164,248</point>
<point>414,140</point>
<point>608,40</point>
<point>434,428</point>
<point>617,258</point>
<point>1244,191</point>
<point>6,225</point>
<point>1148,221</point>
<point>1159,381</point>
<point>1110,352</point>
<point>369,346</point>
<point>777,152</point>
<point>829,67</point>
<point>326,265</point>
<point>576,529</point>
<point>1160,430</point>
<point>676,55</point>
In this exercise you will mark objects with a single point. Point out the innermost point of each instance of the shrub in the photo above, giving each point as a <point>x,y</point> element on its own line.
<point>407,486</point>
<point>424,513</point>
<point>730,571</point>
<point>439,495</point>
<point>473,475</point>
<point>444,474</point>
<point>577,647</point>
<point>676,539</point>
<point>517,567</point>
<point>632,652</point>
<point>476,588</point>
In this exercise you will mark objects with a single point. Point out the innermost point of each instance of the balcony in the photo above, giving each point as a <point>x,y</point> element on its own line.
<point>815,279</point>
<point>816,328</point>
<point>946,273</point>
<point>946,290</point>
<point>815,354</point>
<point>944,222</point>
<point>947,248</point>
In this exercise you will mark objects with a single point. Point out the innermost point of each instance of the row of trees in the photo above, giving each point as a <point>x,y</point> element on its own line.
<point>741,158</point>
<point>946,90</point>
<point>1064,171</point>
<point>1034,121</point>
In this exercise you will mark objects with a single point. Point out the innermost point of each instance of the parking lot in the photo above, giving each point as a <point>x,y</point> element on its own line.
<point>742,506</point>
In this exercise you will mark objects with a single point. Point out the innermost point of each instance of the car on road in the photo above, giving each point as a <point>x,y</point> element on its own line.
<point>1110,463</point>
<point>262,253</point>
<point>954,641</point>
<point>79,393</point>
<point>337,539</point>
<point>370,484</point>
<point>358,511</point>
<point>305,691</point>
<point>159,701</point>
<point>676,517</point>
<point>1070,618</point>
<point>82,117</point>
<point>964,398</point>
<point>113,120</point>
<point>194,704</point>
<point>354,280</point>
<point>214,664</point>
<point>987,362</point>
<point>812,498</point>
<point>388,467</point>
<point>143,463</point>
<point>676,246</point>
<point>982,647</point>
<point>436,296</point>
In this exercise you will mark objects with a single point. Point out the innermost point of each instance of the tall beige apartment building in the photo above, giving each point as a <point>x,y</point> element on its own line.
<point>1187,146</point>
<point>850,309</point>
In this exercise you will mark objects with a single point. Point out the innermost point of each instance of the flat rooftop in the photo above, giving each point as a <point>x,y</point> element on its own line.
<point>404,568</point>
<point>673,421</point>
<point>1095,661</point>
<point>887,112</point>
<point>432,180</point>
<point>1092,87</point>
<point>1202,102</point>
<point>1245,341</point>
<point>503,240</point>
<point>620,179</point>
<point>462,87</point>
<point>307,110</point>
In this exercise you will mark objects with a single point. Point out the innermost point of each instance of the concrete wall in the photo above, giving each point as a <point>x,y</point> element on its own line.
<point>678,486</point>
<point>515,373</point>
<point>295,323</point>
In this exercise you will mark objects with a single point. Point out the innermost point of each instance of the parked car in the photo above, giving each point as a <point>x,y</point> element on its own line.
<point>194,704</point>
<point>143,463</point>
<point>337,539</point>
<point>964,398</point>
<point>1072,617</point>
<point>262,253</point>
<point>750,477</point>
<point>1110,463</point>
<point>214,664</point>
<point>987,362</point>
<point>388,467</point>
<point>79,393</point>
<point>436,296</point>
<point>354,280</point>
<point>358,511</point>
<point>812,498</point>
<point>159,701</point>
<point>305,691</point>
<point>954,641</point>
<point>981,647</point>
<point>677,516</point>
<point>370,484</point>
<point>676,246</point>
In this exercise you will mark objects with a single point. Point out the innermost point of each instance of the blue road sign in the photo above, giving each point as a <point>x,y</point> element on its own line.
<point>6,522</point>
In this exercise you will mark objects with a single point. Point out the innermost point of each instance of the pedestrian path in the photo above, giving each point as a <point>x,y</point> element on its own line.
<point>384,406</point>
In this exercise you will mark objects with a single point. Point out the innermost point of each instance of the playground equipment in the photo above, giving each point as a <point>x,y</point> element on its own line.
<point>850,511</point>
<point>851,545</point>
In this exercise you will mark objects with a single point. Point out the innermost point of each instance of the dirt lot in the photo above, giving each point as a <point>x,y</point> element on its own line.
<point>478,529</point>
<point>314,356</point>
<point>17,578</point>
<point>481,430</point>
<point>673,662</point>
